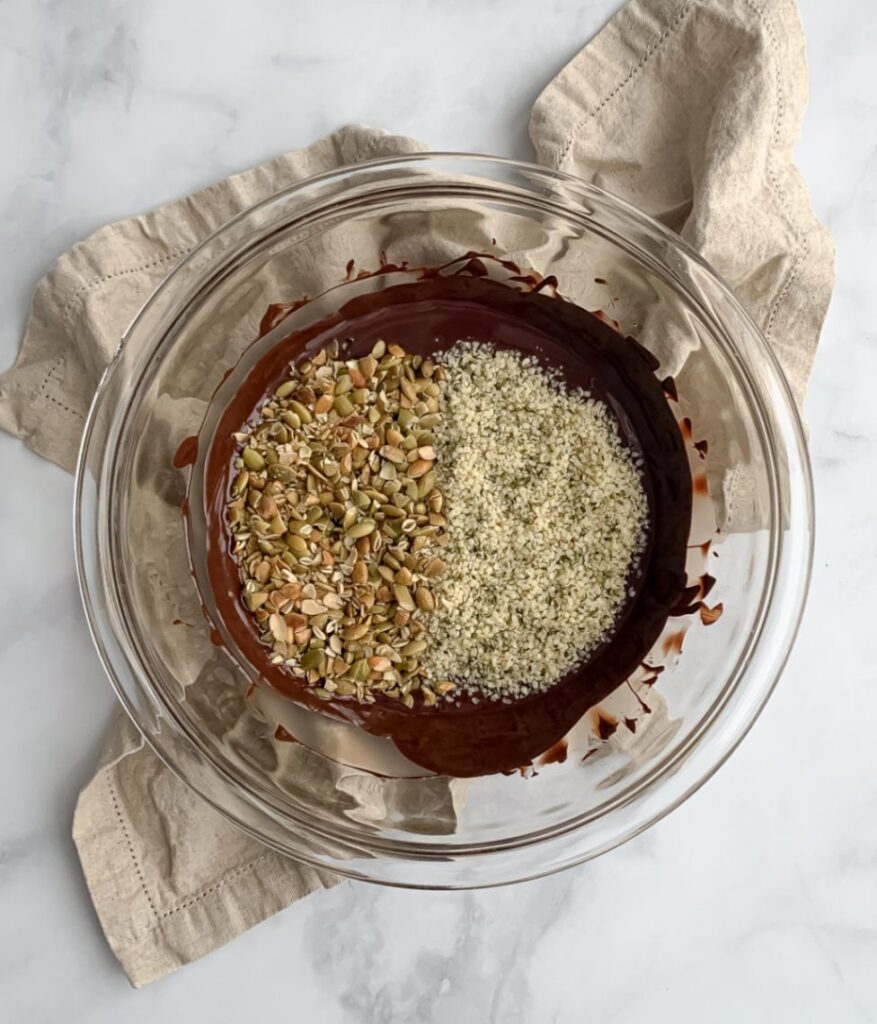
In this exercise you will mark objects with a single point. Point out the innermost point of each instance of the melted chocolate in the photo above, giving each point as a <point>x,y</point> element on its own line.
<point>606,727</point>
<point>186,454</point>
<point>478,737</point>
<point>556,754</point>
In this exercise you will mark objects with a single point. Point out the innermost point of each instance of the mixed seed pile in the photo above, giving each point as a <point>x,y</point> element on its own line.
<point>337,523</point>
<point>414,529</point>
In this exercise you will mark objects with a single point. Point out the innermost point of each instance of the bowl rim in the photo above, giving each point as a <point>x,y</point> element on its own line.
<point>88,579</point>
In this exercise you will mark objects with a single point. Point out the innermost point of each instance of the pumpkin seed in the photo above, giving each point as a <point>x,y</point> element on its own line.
<point>361,529</point>
<point>252,459</point>
<point>334,521</point>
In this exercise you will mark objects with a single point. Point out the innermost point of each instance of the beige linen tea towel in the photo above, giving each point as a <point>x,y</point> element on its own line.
<point>689,109</point>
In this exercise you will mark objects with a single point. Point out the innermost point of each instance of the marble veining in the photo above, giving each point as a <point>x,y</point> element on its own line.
<point>757,900</point>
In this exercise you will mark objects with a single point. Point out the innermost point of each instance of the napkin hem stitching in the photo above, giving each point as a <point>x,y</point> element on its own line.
<point>800,242</point>
<point>111,786</point>
<point>784,291</point>
<point>228,877</point>
<point>634,71</point>
<point>87,286</point>
<point>43,393</point>
<point>189,901</point>
<point>371,146</point>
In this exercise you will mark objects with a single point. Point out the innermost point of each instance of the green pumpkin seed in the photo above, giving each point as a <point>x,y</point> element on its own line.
<point>252,459</point>
<point>361,529</point>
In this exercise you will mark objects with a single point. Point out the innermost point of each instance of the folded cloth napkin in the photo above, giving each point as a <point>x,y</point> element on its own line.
<point>688,109</point>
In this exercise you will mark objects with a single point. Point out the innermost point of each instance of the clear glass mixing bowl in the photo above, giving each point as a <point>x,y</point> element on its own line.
<point>332,798</point>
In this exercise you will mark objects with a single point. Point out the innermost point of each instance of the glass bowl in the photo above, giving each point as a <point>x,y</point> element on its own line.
<point>329,797</point>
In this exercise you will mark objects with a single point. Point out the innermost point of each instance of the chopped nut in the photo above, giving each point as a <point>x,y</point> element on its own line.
<point>418,468</point>
<point>325,515</point>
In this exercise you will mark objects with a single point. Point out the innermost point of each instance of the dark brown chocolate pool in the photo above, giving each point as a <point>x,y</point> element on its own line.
<point>427,316</point>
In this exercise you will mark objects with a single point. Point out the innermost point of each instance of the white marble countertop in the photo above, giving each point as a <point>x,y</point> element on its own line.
<point>757,900</point>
